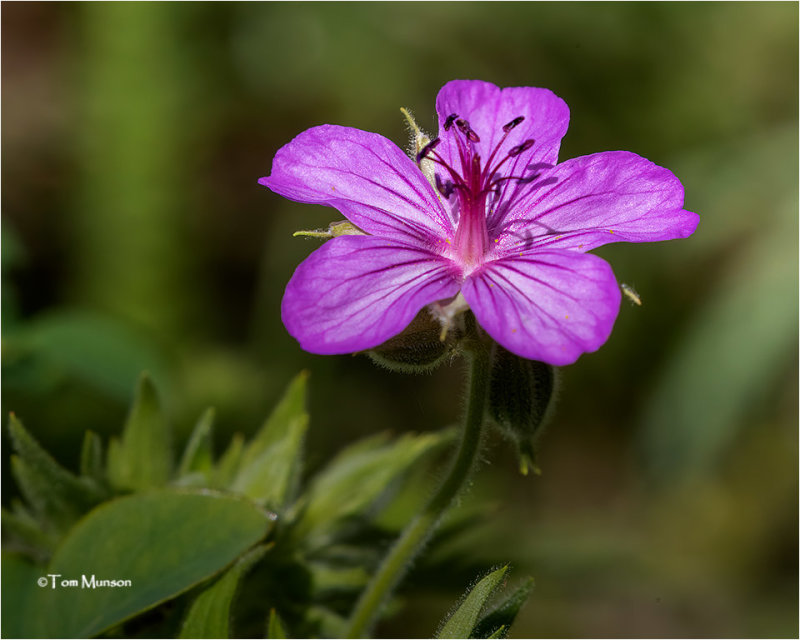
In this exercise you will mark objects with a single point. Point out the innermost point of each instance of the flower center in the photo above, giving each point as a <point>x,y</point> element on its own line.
<point>473,188</point>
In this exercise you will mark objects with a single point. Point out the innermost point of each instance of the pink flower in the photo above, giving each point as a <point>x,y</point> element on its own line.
<point>499,221</point>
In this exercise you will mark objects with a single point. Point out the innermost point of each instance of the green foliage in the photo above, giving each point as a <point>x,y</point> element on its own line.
<point>21,617</point>
<point>103,353</point>
<point>164,541</point>
<point>55,495</point>
<point>209,615</point>
<point>497,621</point>
<point>275,630</point>
<point>269,468</point>
<point>142,458</point>
<point>241,533</point>
<point>197,460</point>
<point>473,617</point>
<point>356,478</point>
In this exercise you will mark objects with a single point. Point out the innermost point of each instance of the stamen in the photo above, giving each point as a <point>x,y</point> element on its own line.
<point>515,151</point>
<point>445,188</point>
<point>427,149</point>
<point>450,120</point>
<point>464,127</point>
<point>510,125</point>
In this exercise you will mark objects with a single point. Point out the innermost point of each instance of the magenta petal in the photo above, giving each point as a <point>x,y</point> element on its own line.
<point>355,292</point>
<point>366,177</point>
<point>593,200</point>
<point>487,108</point>
<point>550,306</point>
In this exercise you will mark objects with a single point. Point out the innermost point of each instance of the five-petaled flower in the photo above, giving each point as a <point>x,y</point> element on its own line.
<point>496,219</point>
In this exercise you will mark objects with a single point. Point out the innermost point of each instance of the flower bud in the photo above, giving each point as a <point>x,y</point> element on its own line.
<point>521,394</point>
<point>420,347</point>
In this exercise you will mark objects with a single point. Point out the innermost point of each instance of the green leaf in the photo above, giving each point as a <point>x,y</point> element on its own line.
<point>275,628</point>
<point>209,615</point>
<point>56,495</point>
<point>270,467</point>
<point>358,477</point>
<point>272,478</point>
<point>462,621</point>
<point>98,350</point>
<point>228,464</point>
<point>164,542</point>
<point>198,455</point>
<point>143,458</point>
<point>22,617</point>
<point>92,457</point>
<point>497,622</point>
<point>289,410</point>
<point>26,534</point>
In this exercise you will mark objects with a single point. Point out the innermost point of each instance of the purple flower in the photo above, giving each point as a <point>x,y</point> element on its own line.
<point>483,210</point>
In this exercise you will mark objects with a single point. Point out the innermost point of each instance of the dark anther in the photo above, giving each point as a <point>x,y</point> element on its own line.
<point>515,151</point>
<point>427,149</point>
<point>450,120</point>
<point>509,126</point>
<point>445,188</point>
<point>464,127</point>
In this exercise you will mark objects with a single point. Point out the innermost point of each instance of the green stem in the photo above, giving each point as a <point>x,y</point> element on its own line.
<point>420,529</point>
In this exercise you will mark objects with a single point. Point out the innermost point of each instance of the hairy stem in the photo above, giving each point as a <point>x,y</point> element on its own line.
<point>420,529</point>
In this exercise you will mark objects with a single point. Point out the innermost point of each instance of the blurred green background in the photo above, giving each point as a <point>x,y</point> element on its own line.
<point>135,236</point>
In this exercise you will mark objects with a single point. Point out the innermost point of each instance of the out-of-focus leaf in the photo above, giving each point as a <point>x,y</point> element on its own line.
<point>209,615</point>
<point>92,457</point>
<point>198,455</point>
<point>55,494</point>
<point>291,409</point>
<point>271,479</point>
<point>727,361</point>
<point>142,458</point>
<point>22,617</point>
<point>275,628</point>
<point>160,540</point>
<point>357,477</point>
<point>228,464</point>
<point>98,350</point>
<point>327,580</point>
<point>270,467</point>
<point>462,621</point>
<point>497,622</point>
<point>25,534</point>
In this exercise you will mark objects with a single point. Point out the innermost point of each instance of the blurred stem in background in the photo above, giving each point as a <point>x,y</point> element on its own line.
<point>130,247</point>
